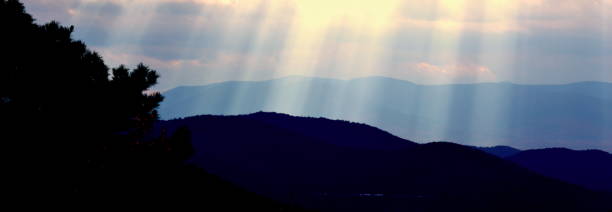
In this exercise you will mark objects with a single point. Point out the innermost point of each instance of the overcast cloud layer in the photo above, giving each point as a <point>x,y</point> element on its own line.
<point>193,42</point>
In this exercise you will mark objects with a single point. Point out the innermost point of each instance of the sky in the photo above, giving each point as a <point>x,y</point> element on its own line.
<point>195,42</point>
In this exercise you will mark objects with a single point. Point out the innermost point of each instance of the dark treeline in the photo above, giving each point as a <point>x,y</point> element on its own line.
<point>75,127</point>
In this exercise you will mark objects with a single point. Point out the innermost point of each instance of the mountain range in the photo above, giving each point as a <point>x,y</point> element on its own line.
<point>332,165</point>
<point>576,116</point>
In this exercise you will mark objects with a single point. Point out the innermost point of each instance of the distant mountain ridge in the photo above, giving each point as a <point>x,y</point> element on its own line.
<point>575,116</point>
<point>292,159</point>
<point>589,168</point>
<point>500,151</point>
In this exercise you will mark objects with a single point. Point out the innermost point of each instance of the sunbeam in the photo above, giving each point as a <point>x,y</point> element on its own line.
<point>453,44</point>
<point>309,105</point>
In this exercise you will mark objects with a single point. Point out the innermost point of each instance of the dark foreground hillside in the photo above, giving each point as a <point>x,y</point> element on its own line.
<point>172,187</point>
<point>311,169</point>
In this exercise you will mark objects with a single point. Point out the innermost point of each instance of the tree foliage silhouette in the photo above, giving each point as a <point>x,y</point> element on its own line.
<point>46,74</point>
<point>60,104</point>
<point>75,127</point>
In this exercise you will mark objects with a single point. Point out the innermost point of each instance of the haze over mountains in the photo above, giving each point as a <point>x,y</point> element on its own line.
<point>576,116</point>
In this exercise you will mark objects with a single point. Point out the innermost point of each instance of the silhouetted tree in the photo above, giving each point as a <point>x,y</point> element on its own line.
<point>75,129</point>
<point>61,108</point>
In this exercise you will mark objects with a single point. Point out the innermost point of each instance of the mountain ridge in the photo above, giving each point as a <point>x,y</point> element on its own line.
<point>395,79</point>
<point>588,168</point>
<point>302,168</point>
<point>573,116</point>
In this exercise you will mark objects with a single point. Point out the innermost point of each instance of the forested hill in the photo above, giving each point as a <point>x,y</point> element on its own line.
<point>292,159</point>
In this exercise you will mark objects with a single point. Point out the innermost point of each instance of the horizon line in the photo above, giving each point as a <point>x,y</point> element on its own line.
<point>384,77</point>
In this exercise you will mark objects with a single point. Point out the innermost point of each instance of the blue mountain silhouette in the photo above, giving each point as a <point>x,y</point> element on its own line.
<point>590,168</point>
<point>576,116</point>
<point>500,151</point>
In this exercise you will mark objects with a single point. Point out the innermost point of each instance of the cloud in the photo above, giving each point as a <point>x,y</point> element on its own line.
<point>179,8</point>
<point>535,41</point>
<point>428,73</point>
<point>497,16</point>
<point>211,67</point>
